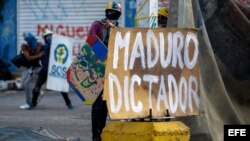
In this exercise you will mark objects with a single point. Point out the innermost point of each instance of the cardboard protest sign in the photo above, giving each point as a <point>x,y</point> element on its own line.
<point>86,73</point>
<point>155,69</point>
<point>60,60</point>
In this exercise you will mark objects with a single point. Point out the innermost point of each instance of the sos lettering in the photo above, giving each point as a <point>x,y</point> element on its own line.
<point>59,71</point>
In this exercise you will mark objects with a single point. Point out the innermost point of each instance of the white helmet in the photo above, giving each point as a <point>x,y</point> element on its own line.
<point>47,32</point>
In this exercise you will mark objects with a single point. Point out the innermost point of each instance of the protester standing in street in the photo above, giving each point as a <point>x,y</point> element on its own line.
<point>32,51</point>
<point>101,29</point>
<point>42,75</point>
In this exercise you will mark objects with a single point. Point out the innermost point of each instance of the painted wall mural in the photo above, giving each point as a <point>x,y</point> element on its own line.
<point>8,32</point>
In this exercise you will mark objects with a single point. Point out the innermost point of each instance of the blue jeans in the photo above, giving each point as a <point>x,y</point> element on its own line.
<point>98,116</point>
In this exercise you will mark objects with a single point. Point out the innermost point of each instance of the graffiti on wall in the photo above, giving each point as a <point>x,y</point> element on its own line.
<point>63,17</point>
<point>54,9</point>
<point>8,32</point>
<point>44,10</point>
<point>79,33</point>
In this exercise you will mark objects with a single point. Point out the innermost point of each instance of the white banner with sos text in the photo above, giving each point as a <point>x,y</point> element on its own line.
<point>60,59</point>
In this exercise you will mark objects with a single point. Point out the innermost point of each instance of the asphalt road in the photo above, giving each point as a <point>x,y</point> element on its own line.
<point>51,113</point>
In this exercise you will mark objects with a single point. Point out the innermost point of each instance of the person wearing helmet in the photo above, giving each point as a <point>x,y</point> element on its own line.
<point>162,17</point>
<point>32,51</point>
<point>101,29</point>
<point>42,75</point>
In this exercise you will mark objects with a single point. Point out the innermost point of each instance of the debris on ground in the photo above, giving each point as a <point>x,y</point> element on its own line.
<point>25,134</point>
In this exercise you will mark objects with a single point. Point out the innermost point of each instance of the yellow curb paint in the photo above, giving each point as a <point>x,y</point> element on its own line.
<point>87,102</point>
<point>146,131</point>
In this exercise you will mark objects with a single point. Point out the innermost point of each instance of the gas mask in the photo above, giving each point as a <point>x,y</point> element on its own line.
<point>112,14</point>
<point>162,21</point>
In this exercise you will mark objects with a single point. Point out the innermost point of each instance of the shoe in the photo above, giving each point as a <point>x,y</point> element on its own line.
<point>25,107</point>
<point>70,106</point>
<point>86,102</point>
<point>40,96</point>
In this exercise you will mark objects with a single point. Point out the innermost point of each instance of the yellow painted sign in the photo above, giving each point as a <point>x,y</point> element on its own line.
<point>155,69</point>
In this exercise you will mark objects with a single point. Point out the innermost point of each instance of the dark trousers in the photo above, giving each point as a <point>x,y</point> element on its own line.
<point>42,78</point>
<point>98,117</point>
